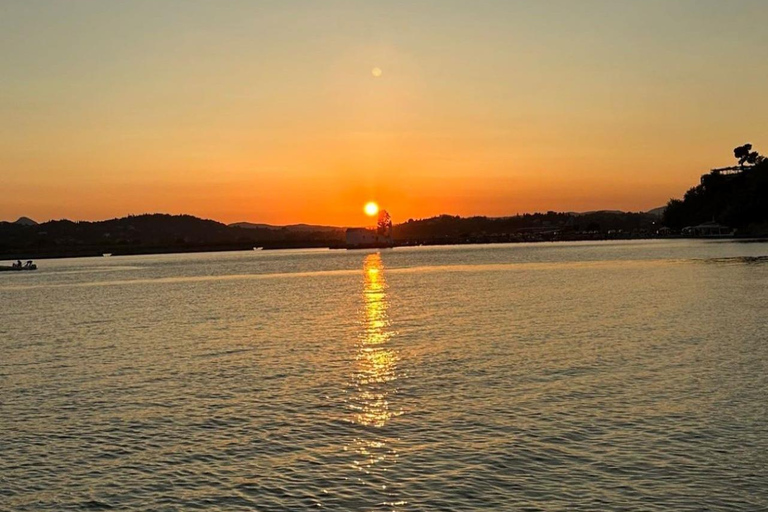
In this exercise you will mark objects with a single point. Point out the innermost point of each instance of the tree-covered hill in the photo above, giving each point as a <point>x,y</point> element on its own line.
<point>159,233</point>
<point>529,226</point>
<point>735,196</point>
<point>144,233</point>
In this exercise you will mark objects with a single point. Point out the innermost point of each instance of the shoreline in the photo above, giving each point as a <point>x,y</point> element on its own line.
<point>141,251</point>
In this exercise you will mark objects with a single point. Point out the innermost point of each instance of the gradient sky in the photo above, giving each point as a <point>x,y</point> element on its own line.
<point>267,111</point>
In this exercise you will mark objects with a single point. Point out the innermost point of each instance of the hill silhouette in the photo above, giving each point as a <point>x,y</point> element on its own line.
<point>149,233</point>
<point>291,227</point>
<point>162,233</point>
<point>25,221</point>
<point>732,196</point>
<point>548,226</point>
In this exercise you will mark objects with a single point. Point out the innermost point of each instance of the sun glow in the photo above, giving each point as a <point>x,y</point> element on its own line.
<point>371,209</point>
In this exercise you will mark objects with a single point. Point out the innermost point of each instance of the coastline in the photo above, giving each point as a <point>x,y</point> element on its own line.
<point>95,252</point>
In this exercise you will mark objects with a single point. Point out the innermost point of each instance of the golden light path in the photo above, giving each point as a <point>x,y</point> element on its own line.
<point>377,363</point>
<point>375,380</point>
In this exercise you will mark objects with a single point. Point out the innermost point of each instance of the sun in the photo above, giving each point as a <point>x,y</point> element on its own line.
<point>371,209</point>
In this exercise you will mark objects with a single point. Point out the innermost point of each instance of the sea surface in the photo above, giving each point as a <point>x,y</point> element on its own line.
<point>570,376</point>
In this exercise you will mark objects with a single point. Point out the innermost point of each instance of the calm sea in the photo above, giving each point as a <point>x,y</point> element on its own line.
<point>571,376</point>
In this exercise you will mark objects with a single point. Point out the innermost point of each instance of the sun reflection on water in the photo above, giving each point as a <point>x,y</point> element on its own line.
<point>377,362</point>
<point>375,384</point>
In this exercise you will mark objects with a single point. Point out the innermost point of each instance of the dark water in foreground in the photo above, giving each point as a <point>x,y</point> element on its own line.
<point>608,376</point>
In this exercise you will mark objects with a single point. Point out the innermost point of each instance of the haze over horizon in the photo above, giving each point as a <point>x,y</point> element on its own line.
<point>299,112</point>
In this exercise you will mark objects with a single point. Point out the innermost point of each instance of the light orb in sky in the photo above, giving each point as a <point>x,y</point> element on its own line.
<point>376,72</point>
<point>371,209</point>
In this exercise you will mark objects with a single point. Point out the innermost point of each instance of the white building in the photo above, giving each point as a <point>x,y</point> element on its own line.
<point>360,238</point>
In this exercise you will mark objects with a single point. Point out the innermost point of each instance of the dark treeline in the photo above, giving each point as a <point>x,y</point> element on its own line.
<point>736,197</point>
<point>527,227</point>
<point>158,233</point>
<point>153,233</point>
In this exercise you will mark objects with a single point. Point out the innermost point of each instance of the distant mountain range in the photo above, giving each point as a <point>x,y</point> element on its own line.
<point>290,227</point>
<point>527,227</point>
<point>157,233</point>
<point>657,212</point>
<point>150,233</point>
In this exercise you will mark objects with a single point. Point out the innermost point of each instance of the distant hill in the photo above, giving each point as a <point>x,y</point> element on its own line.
<point>529,226</point>
<point>592,212</point>
<point>657,212</point>
<point>25,221</point>
<point>158,233</point>
<point>145,233</point>
<point>290,227</point>
<point>250,225</point>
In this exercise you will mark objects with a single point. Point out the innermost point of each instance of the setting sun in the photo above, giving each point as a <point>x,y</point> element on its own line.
<point>371,209</point>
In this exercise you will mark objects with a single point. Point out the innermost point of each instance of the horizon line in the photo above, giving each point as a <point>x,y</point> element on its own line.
<point>230,224</point>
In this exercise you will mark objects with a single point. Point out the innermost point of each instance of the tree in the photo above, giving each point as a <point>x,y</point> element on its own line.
<point>384,225</point>
<point>745,155</point>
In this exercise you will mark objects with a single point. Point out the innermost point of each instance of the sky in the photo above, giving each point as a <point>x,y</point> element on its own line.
<point>271,111</point>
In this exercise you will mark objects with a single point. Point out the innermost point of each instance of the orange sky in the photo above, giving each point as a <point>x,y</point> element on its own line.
<point>269,111</point>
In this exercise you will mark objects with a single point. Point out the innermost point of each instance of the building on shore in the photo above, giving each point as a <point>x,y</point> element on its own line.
<point>362,238</point>
<point>708,229</point>
<point>365,238</point>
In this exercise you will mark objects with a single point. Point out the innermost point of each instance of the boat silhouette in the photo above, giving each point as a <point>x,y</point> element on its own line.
<point>18,267</point>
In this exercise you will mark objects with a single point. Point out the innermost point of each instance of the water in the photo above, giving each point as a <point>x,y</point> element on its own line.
<point>584,376</point>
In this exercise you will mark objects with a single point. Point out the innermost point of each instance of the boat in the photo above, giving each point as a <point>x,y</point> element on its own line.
<point>27,266</point>
<point>107,254</point>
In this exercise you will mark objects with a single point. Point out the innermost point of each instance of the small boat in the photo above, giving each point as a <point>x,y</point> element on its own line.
<point>107,254</point>
<point>18,267</point>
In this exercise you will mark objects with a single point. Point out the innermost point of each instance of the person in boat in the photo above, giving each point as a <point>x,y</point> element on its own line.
<point>17,264</point>
<point>28,263</point>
